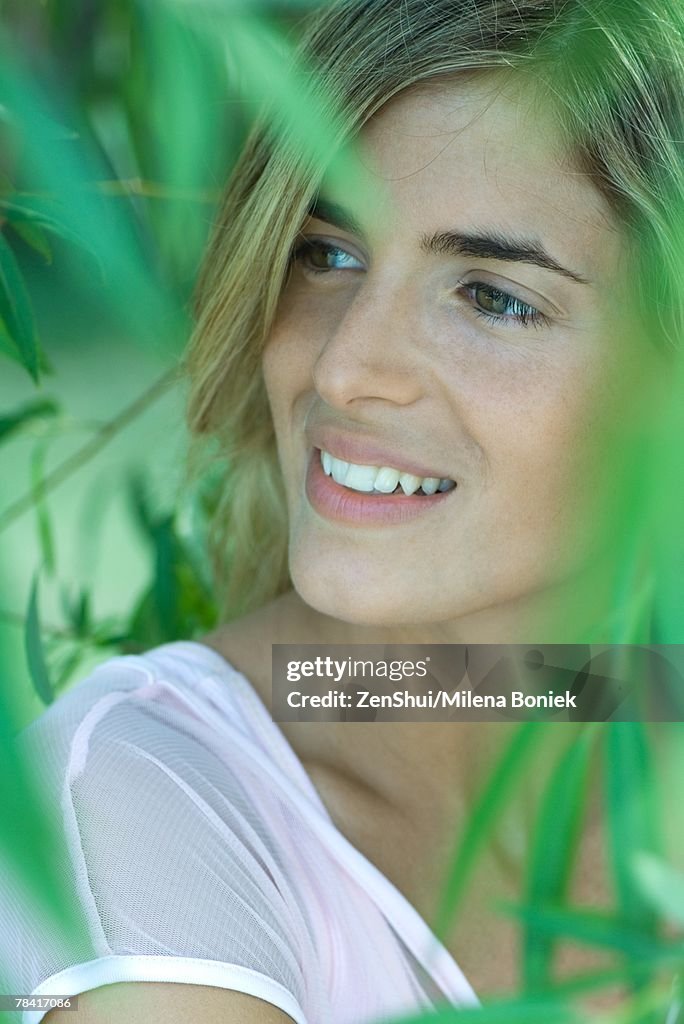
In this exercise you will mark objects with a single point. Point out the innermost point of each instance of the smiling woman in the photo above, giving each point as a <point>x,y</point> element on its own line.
<point>495,300</point>
<point>449,339</point>
<point>436,364</point>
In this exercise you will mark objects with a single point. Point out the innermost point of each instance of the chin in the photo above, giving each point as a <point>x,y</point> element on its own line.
<point>357,608</point>
<point>362,593</point>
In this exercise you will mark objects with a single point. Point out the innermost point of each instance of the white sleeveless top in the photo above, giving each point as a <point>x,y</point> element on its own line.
<point>198,850</point>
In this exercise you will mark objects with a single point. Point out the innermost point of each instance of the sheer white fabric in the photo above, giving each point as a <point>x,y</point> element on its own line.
<point>197,850</point>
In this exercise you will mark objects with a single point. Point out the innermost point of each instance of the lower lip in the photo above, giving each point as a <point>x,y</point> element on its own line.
<point>342,505</point>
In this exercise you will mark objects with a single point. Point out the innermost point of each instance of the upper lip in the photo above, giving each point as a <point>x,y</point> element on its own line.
<point>367,451</point>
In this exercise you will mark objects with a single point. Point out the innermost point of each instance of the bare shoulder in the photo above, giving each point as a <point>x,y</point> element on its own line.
<point>143,1002</point>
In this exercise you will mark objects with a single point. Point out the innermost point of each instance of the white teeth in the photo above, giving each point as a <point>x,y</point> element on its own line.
<point>339,470</point>
<point>381,480</point>
<point>409,483</point>
<point>360,478</point>
<point>387,480</point>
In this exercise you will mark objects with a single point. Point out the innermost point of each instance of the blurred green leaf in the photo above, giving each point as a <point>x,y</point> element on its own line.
<point>30,839</point>
<point>632,815</point>
<point>106,638</point>
<point>179,601</point>
<point>516,1011</point>
<point>661,885</point>
<point>15,310</point>
<point>165,588</point>
<point>31,213</point>
<point>109,227</point>
<point>195,610</point>
<point>35,654</point>
<point>12,422</point>
<point>301,111</point>
<point>183,72</point>
<point>33,236</point>
<point>68,666</point>
<point>599,929</point>
<point>481,820</point>
<point>7,346</point>
<point>77,612</point>
<point>10,350</point>
<point>140,504</point>
<point>193,513</point>
<point>553,852</point>
<point>632,825</point>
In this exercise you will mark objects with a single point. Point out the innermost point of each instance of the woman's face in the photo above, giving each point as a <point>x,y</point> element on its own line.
<point>472,329</point>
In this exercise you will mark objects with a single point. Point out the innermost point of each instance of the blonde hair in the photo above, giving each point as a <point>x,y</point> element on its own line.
<point>614,72</point>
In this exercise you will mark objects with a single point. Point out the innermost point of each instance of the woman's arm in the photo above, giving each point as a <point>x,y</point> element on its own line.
<point>144,1002</point>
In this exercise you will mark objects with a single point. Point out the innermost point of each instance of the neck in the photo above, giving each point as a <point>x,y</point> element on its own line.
<point>602,604</point>
<point>433,764</point>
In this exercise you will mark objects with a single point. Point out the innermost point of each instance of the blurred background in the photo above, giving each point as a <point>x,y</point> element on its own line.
<point>119,123</point>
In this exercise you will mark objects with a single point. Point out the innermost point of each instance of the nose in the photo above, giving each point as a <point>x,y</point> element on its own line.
<point>371,352</point>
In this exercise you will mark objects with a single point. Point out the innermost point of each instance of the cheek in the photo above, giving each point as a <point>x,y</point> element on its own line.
<point>555,449</point>
<point>283,371</point>
<point>290,351</point>
<point>286,366</point>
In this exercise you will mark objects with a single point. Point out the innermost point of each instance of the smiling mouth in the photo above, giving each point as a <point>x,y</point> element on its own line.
<point>384,480</point>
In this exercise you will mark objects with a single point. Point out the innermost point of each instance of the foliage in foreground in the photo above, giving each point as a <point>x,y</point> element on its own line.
<point>121,207</point>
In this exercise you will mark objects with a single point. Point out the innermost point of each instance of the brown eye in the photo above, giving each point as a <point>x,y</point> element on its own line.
<point>491,300</point>
<point>500,307</point>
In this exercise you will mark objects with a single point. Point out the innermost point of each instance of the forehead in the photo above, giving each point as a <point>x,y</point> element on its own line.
<point>484,153</point>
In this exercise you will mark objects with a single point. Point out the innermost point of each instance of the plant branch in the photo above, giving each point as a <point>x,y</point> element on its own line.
<point>19,620</point>
<point>92,447</point>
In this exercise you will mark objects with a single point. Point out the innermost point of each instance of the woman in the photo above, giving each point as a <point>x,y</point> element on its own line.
<point>430,370</point>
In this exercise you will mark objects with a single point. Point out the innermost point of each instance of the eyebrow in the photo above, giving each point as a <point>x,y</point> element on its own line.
<point>486,245</point>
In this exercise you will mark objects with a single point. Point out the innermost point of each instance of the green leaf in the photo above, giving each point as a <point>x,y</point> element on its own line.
<point>10,350</point>
<point>593,928</point>
<point>34,236</point>
<point>661,885</point>
<point>35,654</point>
<point>165,582</point>
<point>482,818</point>
<point>28,213</point>
<point>133,288</point>
<point>7,346</point>
<point>553,852</point>
<point>140,503</point>
<point>632,815</point>
<point>518,1011</point>
<point>632,825</point>
<point>68,667</point>
<point>32,843</point>
<point>11,423</point>
<point>77,612</point>
<point>194,613</point>
<point>15,310</point>
<point>110,639</point>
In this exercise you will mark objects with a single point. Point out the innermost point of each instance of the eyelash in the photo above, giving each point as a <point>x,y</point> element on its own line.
<point>523,314</point>
<point>310,245</point>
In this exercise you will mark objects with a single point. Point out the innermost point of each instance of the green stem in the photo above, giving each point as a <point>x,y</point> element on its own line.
<point>92,447</point>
